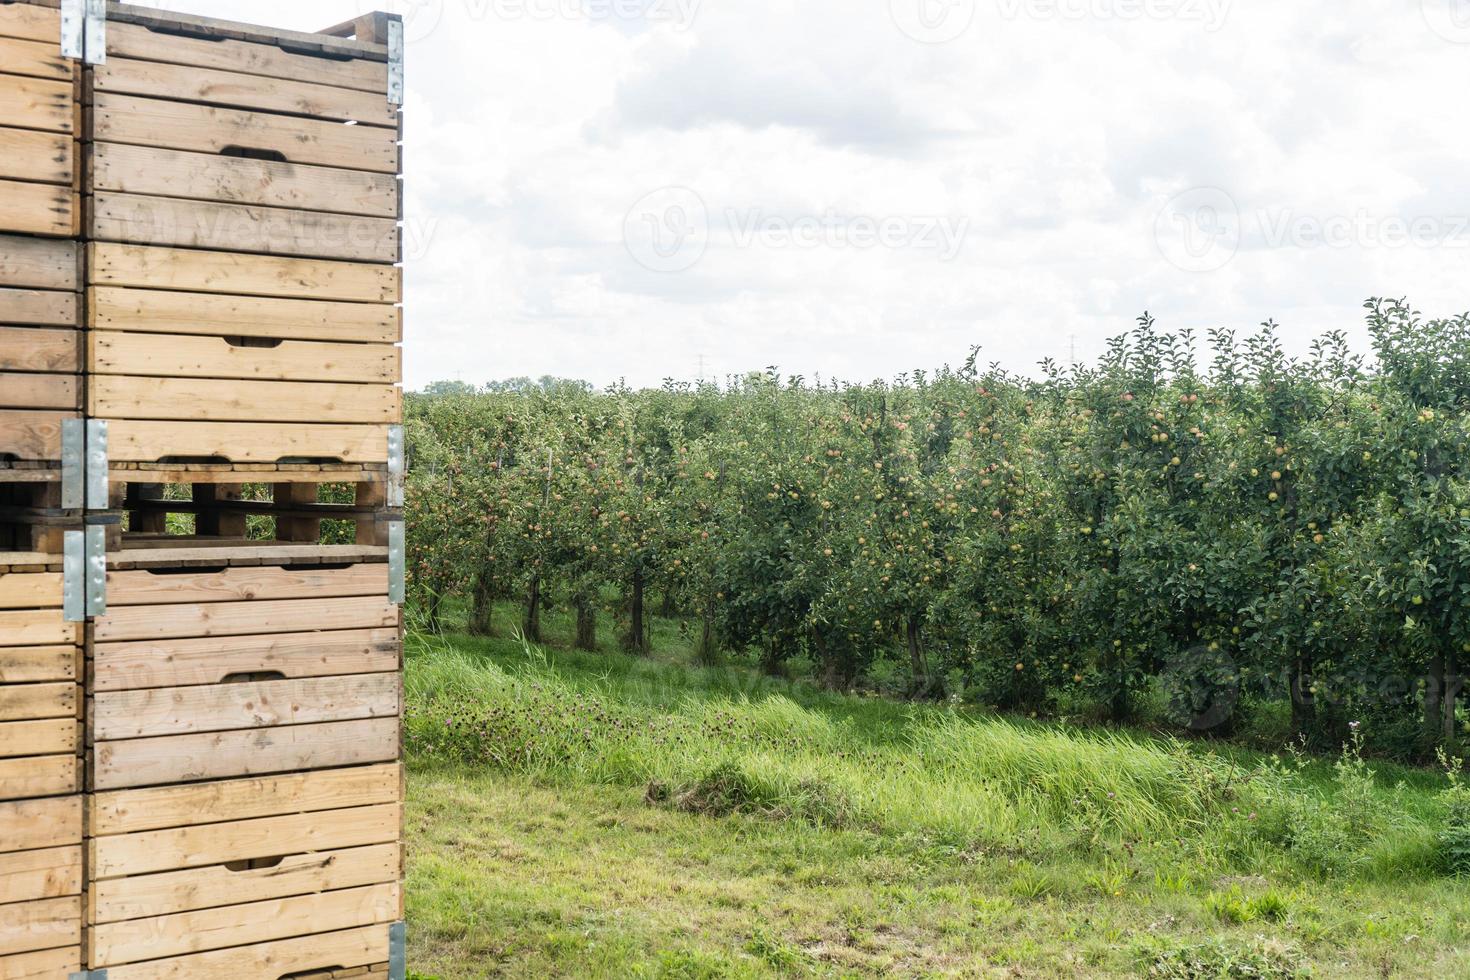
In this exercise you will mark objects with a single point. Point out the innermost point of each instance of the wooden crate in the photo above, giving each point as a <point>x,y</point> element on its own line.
<point>39,118</point>
<point>40,802</point>
<point>242,288</point>
<point>40,348</point>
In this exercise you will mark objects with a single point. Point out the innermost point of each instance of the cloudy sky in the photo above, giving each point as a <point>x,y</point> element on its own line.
<point>644,189</point>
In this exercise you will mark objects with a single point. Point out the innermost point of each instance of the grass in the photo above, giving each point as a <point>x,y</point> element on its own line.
<point>598,815</point>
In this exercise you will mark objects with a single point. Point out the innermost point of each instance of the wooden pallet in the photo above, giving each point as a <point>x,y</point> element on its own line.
<point>40,803</point>
<point>39,121</point>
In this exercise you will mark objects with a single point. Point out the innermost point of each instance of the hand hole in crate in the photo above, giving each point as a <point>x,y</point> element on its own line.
<point>254,153</point>
<point>264,343</point>
<point>255,864</point>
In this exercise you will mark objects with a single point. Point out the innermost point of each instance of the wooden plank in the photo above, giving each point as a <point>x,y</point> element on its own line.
<point>35,627</point>
<point>115,943</point>
<point>251,275</point>
<point>242,401</point>
<point>156,311</point>
<point>42,775</point>
<point>179,663</point>
<point>171,23</point>
<point>30,22</point>
<point>27,702</point>
<point>37,103</point>
<point>234,180</point>
<point>245,228</point>
<point>36,349</point>
<point>173,807</point>
<point>49,964</point>
<point>243,442</point>
<point>142,588</point>
<point>180,848</point>
<point>132,41</point>
<point>24,665</point>
<point>56,736</point>
<point>37,307</point>
<point>208,129</point>
<point>221,755</point>
<point>40,925</point>
<point>29,154</point>
<point>40,59</point>
<point>198,888</point>
<point>30,824</point>
<point>169,356</point>
<point>268,961</point>
<point>33,590</point>
<point>240,91</point>
<point>34,263</point>
<point>38,209</point>
<point>27,876</point>
<point>242,618</point>
<point>31,435</point>
<point>39,391</point>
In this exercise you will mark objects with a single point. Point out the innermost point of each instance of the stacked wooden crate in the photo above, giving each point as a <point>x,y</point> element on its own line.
<point>224,327</point>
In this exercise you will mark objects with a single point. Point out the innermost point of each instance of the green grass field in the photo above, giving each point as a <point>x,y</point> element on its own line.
<point>596,815</point>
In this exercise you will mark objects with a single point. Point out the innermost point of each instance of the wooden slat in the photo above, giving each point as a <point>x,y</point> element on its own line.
<point>30,22</point>
<point>38,209</point>
<point>39,391</point>
<point>28,154</point>
<point>179,663</point>
<point>250,275</point>
<point>208,129</point>
<point>115,943</point>
<point>172,807</point>
<point>37,103</point>
<point>240,91</point>
<point>30,590</point>
<point>221,755</point>
<point>40,925</point>
<point>156,311</point>
<point>142,588</point>
<point>37,307</point>
<point>242,401</point>
<point>328,43</point>
<point>242,840</point>
<point>32,824</point>
<point>34,263</point>
<point>24,665</point>
<point>233,180</point>
<point>55,736</point>
<point>27,702</point>
<point>242,618</point>
<point>244,442</point>
<point>170,356</point>
<point>198,888</point>
<point>31,435</point>
<point>251,704</point>
<point>132,41</point>
<point>35,627</point>
<point>36,349</point>
<point>268,961</point>
<point>245,228</point>
<point>41,59</point>
<point>27,876</point>
<point>49,964</point>
<point>47,775</point>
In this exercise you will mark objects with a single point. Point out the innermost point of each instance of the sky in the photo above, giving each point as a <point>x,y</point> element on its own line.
<point>850,189</point>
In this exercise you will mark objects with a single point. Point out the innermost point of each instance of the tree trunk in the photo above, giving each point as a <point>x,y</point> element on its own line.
<point>667,609</point>
<point>637,638</point>
<point>482,606</point>
<point>435,612</point>
<point>1453,684</point>
<point>1435,702</point>
<point>918,660</point>
<point>531,626</point>
<point>708,653</point>
<point>772,657</point>
<point>1303,702</point>
<point>586,623</point>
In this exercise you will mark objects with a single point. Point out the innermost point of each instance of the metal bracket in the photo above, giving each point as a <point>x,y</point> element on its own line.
<point>397,563</point>
<point>97,490</point>
<point>395,61</point>
<point>74,577</point>
<point>73,463</point>
<point>89,975</point>
<point>396,467</point>
<point>84,30</point>
<point>397,951</point>
<point>96,570</point>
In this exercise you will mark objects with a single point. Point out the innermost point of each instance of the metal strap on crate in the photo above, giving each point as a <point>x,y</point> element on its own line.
<point>84,574</point>
<point>89,975</point>
<point>73,463</point>
<point>397,951</point>
<point>395,61</point>
<point>396,467</point>
<point>84,30</point>
<point>397,562</point>
<point>97,490</point>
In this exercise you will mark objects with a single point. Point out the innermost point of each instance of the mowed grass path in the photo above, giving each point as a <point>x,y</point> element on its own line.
<point>578,815</point>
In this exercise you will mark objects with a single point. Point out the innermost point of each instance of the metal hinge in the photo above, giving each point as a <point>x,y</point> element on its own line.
<point>397,562</point>
<point>73,463</point>
<point>84,30</point>
<point>97,490</point>
<point>89,975</point>
<point>396,467</point>
<point>96,570</point>
<point>395,61</point>
<point>397,951</point>
<point>84,574</point>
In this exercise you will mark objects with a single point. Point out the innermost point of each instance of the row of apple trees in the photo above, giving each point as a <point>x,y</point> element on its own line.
<point>1214,527</point>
